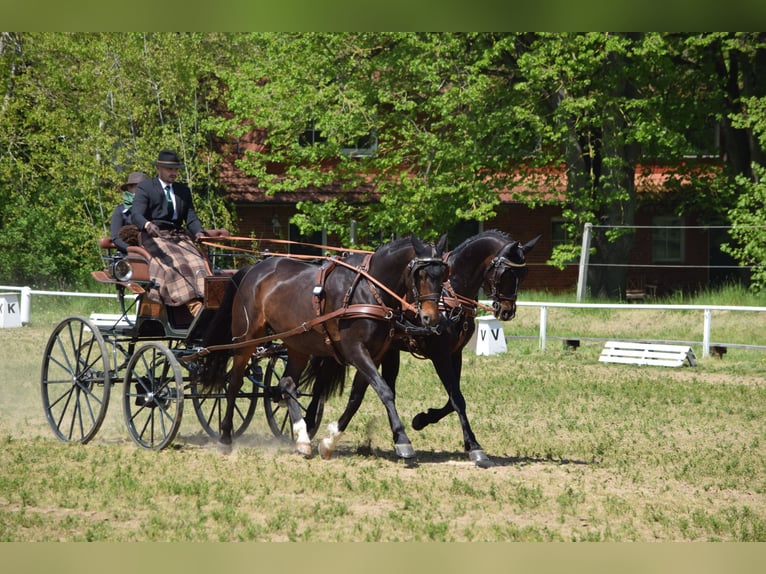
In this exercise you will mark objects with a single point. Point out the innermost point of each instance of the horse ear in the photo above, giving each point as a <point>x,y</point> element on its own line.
<point>527,247</point>
<point>441,245</point>
<point>418,245</point>
<point>508,249</point>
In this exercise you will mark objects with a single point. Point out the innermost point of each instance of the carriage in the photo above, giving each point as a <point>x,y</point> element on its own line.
<point>142,353</point>
<point>154,350</point>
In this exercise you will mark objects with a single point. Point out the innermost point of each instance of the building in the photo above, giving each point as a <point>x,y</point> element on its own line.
<point>670,252</point>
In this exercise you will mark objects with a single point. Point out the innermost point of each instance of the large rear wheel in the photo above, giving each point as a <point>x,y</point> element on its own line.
<point>153,397</point>
<point>75,380</point>
<point>211,406</point>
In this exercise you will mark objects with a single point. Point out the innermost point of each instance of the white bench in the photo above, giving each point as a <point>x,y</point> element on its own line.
<point>110,321</point>
<point>647,354</point>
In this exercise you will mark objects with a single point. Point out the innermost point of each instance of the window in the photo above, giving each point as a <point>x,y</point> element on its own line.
<point>560,236</point>
<point>315,238</point>
<point>311,136</point>
<point>668,240</point>
<point>363,146</point>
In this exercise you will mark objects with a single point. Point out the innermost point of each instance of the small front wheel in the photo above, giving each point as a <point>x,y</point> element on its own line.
<point>153,397</point>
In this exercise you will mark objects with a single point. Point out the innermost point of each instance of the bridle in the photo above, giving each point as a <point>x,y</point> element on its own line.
<point>417,265</point>
<point>493,276</point>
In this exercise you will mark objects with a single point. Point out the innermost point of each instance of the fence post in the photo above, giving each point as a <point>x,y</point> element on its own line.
<point>582,277</point>
<point>706,333</point>
<point>543,326</point>
<point>26,304</point>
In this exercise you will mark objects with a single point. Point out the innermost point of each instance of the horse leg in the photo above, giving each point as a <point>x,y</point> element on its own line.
<point>337,428</point>
<point>289,392</point>
<point>236,376</point>
<point>402,444</point>
<point>449,370</point>
<point>390,369</point>
<point>433,416</point>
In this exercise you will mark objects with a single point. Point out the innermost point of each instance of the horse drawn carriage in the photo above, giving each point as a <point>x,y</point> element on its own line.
<point>144,347</point>
<point>264,326</point>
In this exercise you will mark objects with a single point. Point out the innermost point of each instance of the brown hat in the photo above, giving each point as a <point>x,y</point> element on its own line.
<point>168,158</point>
<point>134,178</point>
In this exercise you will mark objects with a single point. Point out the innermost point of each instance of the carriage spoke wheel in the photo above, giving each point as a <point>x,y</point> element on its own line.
<point>275,406</point>
<point>210,406</point>
<point>153,396</point>
<point>75,380</point>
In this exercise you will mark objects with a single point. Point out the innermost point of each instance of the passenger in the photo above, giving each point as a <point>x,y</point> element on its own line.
<point>164,211</point>
<point>122,216</point>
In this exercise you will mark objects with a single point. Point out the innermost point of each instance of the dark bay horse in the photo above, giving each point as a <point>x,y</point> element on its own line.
<point>491,259</point>
<point>343,310</point>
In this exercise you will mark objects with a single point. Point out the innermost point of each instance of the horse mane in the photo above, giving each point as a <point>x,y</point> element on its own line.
<point>502,235</point>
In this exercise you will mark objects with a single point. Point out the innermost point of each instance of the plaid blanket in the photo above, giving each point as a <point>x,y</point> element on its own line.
<point>177,267</point>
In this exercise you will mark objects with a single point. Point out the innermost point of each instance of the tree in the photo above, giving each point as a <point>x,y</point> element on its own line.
<point>457,117</point>
<point>79,112</point>
<point>438,120</point>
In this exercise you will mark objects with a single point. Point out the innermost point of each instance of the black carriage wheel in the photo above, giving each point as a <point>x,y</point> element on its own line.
<point>276,408</point>
<point>153,397</point>
<point>75,380</point>
<point>210,406</point>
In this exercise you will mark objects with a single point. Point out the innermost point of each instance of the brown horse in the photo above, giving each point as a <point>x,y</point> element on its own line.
<point>491,259</point>
<point>345,310</point>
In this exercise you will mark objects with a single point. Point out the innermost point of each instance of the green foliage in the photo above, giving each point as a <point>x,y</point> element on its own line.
<point>79,112</point>
<point>749,231</point>
<point>419,98</point>
<point>445,119</point>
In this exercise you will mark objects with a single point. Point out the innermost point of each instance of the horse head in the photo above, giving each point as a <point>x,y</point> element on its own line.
<point>504,275</point>
<point>427,271</point>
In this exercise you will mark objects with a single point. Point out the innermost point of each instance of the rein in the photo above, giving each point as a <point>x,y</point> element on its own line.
<point>360,270</point>
<point>214,242</point>
<point>356,310</point>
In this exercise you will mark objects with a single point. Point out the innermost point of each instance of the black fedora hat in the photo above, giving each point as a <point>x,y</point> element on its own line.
<point>168,158</point>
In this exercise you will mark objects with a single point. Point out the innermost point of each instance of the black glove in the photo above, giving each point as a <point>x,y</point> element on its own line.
<point>200,235</point>
<point>152,229</point>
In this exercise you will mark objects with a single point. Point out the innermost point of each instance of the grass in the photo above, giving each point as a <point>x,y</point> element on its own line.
<point>584,452</point>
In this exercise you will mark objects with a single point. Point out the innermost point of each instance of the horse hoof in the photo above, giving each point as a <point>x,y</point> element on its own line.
<point>480,459</point>
<point>324,450</point>
<point>304,448</point>
<point>224,448</point>
<point>419,421</point>
<point>404,451</point>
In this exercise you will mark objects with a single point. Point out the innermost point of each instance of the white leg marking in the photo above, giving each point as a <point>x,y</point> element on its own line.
<point>327,445</point>
<point>302,441</point>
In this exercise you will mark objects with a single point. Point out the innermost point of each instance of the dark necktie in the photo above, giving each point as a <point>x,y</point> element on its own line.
<point>170,201</point>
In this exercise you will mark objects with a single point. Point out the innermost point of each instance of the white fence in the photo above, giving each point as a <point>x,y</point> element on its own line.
<point>705,310</point>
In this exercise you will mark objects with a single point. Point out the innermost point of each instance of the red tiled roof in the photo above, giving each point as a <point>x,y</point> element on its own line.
<point>547,184</point>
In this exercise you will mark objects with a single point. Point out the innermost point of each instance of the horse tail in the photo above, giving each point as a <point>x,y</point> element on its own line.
<point>325,377</point>
<point>212,375</point>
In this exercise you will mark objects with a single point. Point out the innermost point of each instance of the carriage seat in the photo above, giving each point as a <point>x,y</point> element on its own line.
<point>138,257</point>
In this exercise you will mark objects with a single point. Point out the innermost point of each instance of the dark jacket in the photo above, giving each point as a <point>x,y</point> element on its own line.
<point>150,204</point>
<point>120,217</point>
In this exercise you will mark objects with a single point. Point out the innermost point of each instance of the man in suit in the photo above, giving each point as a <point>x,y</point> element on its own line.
<point>164,211</point>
